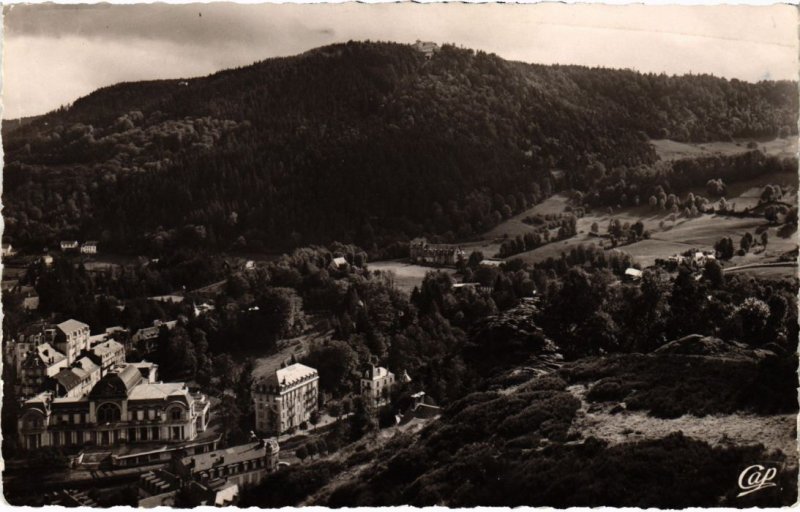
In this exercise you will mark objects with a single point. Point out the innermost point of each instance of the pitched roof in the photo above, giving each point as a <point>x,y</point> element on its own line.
<point>290,375</point>
<point>107,347</point>
<point>71,325</point>
<point>71,377</point>
<point>240,453</point>
<point>158,391</point>
<point>48,355</point>
<point>376,372</point>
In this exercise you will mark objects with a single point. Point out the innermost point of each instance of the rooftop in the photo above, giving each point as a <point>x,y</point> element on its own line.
<point>71,325</point>
<point>107,347</point>
<point>232,455</point>
<point>291,374</point>
<point>48,355</point>
<point>158,391</point>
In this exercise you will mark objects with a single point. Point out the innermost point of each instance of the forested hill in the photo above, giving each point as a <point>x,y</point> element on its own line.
<point>361,142</point>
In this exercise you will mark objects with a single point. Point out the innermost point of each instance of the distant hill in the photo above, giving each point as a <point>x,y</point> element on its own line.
<point>370,143</point>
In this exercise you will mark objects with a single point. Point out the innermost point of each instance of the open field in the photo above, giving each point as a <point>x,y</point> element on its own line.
<point>673,150</point>
<point>406,275</point>
<point>668,237</point>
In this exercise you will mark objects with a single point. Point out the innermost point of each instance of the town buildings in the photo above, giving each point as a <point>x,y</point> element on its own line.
<point>108,354</point>
<point>123,406</point>
<point>69,245</point>
<point>72,338</point>
<point>213,478</point>
<point>420,251</point>
<point>285,399</point>
<point>36,366</point>
<point>89,247</point>
<point>78,379</point>
<point>376,384</point>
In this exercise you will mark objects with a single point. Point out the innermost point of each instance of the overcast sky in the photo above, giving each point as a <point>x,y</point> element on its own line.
<point>55,54</point>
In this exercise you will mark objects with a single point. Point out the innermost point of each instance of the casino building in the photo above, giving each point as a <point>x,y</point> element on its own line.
<point>127,405</point>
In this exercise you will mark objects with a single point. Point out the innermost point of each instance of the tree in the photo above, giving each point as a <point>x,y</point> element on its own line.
<point>363,419</point>
<point>595,228</point>
<point>301,452</point>
<point>764,238</point>
<point>746,242</point>
<point>311,448</point>
<point>314,418</point>
<point>751,317</point>
<point>713,273</point>
<point>335,410</point>
<point>337,364</point>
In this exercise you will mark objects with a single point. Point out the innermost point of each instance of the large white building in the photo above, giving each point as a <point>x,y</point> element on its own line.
<point>124,406</point>
<point>285,399</point>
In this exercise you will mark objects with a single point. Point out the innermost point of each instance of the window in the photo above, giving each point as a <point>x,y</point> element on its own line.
<point>176,414</point>
<point>108,413</point>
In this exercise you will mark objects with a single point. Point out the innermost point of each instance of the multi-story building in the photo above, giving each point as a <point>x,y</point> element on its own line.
<point>420,251</point>
<point>123,405</point>
<point>78,379</point>
<point>211,478</point>
<point>89,247</point>
<point>72,338</point>
<point>37,366</point>
<point>285,399</point>
<point>246,464</point>
<point>108,354</point>
<point>376,384</point>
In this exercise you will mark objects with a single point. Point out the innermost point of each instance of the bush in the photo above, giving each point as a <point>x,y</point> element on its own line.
<point>608,390</point>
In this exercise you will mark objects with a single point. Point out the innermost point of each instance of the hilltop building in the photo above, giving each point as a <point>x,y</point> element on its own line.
<point>122,406</point>
<point>427,48</point>
<point>376,384</point>
<point>420,251</point>
<point>285,399</point>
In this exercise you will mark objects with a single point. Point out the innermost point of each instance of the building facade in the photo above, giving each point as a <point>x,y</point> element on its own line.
<point>122,407</point>
<point>376,384</point>
<point>78,379</point>
<point>285,399</point>
<point>108,354</point>
<point>72,338</point>
<point>420,251</point>
<point>37,366</point>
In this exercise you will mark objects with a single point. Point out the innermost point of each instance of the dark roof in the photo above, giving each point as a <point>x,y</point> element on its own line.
<point>118,383</point>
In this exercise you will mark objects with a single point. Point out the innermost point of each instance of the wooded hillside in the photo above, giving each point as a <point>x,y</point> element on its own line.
<point>360,142</point>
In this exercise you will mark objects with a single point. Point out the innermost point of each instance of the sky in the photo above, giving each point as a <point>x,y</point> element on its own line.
<point>54,54</point>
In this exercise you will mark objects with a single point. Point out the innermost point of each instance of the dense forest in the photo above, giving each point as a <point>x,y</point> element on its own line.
<point>367,143</point>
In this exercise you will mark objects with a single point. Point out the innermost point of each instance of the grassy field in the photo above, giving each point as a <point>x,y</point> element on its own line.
<point>406,275</point>
<point>667,237</point>
<point>673,150</point>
